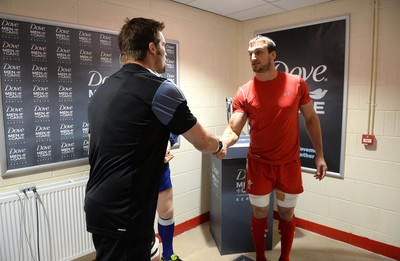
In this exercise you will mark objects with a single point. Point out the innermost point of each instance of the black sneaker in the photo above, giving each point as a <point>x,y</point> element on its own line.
<point>173,257</point>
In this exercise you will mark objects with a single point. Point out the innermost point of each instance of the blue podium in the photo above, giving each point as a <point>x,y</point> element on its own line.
<point>230,208</point>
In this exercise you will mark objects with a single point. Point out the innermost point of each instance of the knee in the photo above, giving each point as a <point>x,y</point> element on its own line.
<point>166,213</point>
<point>286,215</point>
<point>260,212</point>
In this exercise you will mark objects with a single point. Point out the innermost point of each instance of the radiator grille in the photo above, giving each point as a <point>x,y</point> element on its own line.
<point>61,226</point>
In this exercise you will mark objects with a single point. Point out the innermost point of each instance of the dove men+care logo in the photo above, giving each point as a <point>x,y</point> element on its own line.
<point>95,80</point>
<point>315,74</point>
<point>240,186</point>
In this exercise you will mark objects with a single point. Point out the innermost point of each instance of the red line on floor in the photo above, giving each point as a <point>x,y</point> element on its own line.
<point>355,240</point>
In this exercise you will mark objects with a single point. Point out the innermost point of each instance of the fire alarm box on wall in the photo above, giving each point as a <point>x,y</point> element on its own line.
<point>368,139</point>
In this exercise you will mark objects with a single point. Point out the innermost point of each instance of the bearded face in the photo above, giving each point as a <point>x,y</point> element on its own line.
<point>261,60</point>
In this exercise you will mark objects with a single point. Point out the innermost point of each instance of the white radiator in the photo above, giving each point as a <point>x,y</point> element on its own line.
<point>48,227</point>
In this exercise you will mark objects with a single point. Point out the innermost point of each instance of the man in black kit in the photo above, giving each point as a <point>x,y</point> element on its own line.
<point>130,118</point>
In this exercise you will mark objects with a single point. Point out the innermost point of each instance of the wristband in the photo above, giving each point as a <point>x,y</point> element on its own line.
<point>220,146</point>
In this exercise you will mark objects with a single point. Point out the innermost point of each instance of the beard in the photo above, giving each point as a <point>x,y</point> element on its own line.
<point>162,65</point>
<point>258,68</point>
<point>265,67</point>
<point>162,70</point>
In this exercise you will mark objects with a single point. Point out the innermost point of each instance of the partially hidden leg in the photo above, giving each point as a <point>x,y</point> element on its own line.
<point>259,224</point>
<point>166,223</point>
<point>287,222</point>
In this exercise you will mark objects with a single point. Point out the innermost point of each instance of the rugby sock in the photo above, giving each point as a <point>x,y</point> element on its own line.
<point>259,229</point>
<point>166,228</point>
<point>286,231</point>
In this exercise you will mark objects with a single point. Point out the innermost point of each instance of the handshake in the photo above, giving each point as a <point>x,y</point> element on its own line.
<point>221,150</point>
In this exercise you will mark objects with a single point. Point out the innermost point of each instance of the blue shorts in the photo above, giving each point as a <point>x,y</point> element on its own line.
<point>166,181</point>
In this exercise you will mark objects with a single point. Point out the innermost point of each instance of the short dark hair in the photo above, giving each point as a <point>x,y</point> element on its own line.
<point>271,46</point>
<point>136,35</point>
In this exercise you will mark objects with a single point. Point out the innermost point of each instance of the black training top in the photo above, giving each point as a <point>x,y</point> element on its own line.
<point>130,118</point>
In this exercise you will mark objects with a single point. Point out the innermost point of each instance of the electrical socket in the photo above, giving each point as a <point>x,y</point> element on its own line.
<point>27,187</point>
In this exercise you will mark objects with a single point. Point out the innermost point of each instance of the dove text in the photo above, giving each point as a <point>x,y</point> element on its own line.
<point>316,74</point>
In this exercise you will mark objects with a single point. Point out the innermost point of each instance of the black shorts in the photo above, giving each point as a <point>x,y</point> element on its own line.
<point>112,249</point>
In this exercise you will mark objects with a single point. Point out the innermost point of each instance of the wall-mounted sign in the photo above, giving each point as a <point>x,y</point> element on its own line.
<point>318,52</point>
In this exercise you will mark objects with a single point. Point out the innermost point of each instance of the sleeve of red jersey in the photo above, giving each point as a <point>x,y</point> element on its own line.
<point>305,93</point>
<point>239,102</point>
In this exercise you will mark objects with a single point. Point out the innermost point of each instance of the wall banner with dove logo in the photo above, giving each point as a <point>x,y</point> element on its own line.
<point>48,73</point>
<point>318,52</point>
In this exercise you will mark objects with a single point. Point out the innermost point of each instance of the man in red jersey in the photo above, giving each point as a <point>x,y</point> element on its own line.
<point>270,103</point>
